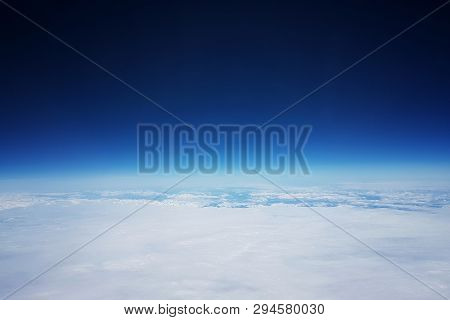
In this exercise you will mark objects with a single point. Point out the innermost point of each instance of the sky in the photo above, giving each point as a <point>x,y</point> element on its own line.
<point>223,62</point>
<point>380,131</point>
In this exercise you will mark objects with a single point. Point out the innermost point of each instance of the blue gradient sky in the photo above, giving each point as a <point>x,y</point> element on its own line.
<point>224,62</point>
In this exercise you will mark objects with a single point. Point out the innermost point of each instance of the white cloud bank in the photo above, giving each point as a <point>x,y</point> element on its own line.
<point>221,245</point>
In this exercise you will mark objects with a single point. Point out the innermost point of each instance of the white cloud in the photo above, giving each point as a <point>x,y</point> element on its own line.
<point>202,245</point>
<point>406,200</point>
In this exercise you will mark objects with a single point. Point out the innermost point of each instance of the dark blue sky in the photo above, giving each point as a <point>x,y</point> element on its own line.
<point>222,62</point>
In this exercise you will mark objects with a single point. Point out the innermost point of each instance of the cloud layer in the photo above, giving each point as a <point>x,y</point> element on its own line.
<point>227,244</point>
<point>407,200</point>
